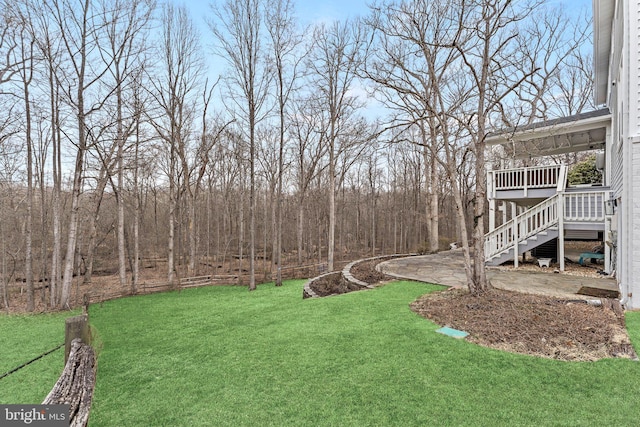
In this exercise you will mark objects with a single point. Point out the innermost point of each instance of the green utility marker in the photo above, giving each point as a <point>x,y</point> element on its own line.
<point>452,332</point>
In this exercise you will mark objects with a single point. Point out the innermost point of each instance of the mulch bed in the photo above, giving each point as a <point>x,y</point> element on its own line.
<point>366,271</point>
<point>532,324</point>
<point>332,284</point>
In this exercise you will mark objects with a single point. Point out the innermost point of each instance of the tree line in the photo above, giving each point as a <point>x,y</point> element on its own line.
<point>315,144</point>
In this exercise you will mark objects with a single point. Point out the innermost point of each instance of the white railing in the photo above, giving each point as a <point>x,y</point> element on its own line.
<point>529,223</point>
<point>586,206</point>
<point>530,177</point>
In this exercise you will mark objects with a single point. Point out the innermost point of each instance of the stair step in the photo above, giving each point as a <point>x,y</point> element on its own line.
<point>528,244</point>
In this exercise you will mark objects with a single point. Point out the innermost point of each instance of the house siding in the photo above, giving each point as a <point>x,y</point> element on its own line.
<point>632,284</point>
<point>628,133</point>
<point>616,169</point>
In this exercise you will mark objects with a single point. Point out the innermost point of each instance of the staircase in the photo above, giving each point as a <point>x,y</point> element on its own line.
<point>532,228</point>
<point>567,208</point>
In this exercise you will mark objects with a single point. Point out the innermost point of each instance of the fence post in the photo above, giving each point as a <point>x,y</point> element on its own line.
<point>75,327</point>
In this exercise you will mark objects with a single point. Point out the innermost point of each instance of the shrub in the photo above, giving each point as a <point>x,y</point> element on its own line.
<point>585,172</point>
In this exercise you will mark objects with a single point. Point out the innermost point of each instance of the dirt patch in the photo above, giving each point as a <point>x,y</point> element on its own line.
<point>531,324</point>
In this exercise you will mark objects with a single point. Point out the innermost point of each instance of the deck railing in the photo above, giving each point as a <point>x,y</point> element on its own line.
<point>584,206</point>
<point>553,176</point>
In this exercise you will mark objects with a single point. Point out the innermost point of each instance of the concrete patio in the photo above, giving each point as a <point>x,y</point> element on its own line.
<point>447,268</point>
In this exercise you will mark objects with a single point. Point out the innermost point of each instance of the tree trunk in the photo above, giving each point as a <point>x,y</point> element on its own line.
<point>122,261</point>
<point>93,224</point>
<point>29,222</point>
<point>431,181</point>
<point>300,229</point>
<point>252,194</point>
<point>192,234</point>
<point>136,215</point>
<point>172,213</point>
<point>3,256</point>
<point>55,278</point>
<point>332,203</point>
<point>480,283</point>
<point>73,220</point>
<point>79,162</point>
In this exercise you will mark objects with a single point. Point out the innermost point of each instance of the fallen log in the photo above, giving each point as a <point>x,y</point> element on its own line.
<point>76,383</point>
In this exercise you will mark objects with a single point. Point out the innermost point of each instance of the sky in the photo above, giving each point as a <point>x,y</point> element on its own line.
<point>310,11</point>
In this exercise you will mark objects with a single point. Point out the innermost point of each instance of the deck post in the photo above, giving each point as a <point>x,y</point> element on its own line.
<point>492,214</point>
<point>561,231</point>
<point>515,243</point>
<point>491,191</point>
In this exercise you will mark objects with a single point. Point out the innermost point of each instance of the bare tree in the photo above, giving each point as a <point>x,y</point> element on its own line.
<point>238,31</point>
<point>8,160</point>
<point>9,25</point>
<point>495,67</point>
<point>125,24</point>
<point>410,69</point>
<point>50,49</point>
<point>78,36</point>
<point>284,41</point>
<point>573,82</point>
<point>308,132</point>
<point>137,115</point>
<point>334,60</point>
<point>174,94</point>
<point>25,58</point>
<point>550,43</point>
<point>209,136</point>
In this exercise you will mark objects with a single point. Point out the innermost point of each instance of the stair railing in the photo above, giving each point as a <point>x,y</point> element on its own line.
<point>527,224</point>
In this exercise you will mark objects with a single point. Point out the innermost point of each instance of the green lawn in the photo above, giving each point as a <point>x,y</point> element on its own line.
<point>224,356</point>
<point>23,338</point>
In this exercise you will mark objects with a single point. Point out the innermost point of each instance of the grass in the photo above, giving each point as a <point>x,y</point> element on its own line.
<point>224,356</point>
<point>22,338</point>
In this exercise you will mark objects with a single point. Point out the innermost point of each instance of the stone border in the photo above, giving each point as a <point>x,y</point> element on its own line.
<point>307,292</point>
<point>346,275</point>
<point>346,271</point>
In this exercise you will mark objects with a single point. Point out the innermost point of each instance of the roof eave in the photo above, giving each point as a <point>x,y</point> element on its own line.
<point>603,11</point>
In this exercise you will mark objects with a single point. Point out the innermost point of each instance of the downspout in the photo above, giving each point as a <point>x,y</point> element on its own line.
<point>625,299</point>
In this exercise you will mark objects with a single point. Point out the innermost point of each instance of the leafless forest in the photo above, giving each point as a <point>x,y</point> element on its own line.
<point>315,144</point>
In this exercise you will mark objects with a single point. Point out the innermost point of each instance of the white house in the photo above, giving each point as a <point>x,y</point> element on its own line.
<point>549,211</point>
